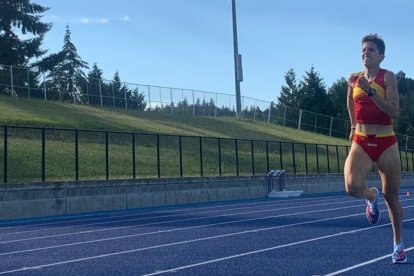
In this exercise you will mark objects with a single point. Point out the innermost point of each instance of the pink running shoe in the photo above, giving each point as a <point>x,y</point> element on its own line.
<point>398,256</point>
<point>372,212</point>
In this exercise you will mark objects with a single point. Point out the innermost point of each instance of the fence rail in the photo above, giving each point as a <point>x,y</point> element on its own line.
<point>30,154</point>
<point>29,83</point>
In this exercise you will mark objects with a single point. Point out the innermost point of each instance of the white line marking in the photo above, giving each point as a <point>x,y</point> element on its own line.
<point>136,212</point>
<point>269,249</point>
<point>171,230</point>
<point>215,237</point>
<point>162,222</point>
<point>136,219</point>
<point>364,263</point>
<point>197,240</point>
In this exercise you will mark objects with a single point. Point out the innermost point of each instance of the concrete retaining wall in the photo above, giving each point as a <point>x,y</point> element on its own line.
<point>27,200</point>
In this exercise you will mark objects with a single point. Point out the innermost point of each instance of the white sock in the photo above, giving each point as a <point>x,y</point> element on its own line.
<point>399,245</point>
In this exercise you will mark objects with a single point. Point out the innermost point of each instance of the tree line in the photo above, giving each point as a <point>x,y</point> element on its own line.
<point>311,94</point>
<point>65,71</point>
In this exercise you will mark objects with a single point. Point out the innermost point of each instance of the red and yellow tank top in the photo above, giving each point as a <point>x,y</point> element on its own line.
<point>366,111</point>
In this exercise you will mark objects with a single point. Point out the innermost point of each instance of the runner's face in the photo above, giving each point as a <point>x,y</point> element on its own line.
<point>370,54</point>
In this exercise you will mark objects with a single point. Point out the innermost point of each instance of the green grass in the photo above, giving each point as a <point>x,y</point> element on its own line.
<point>24,145</point>
<point>25,112</point>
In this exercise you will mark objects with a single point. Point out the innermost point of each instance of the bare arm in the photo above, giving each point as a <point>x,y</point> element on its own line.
<point>350,106</point>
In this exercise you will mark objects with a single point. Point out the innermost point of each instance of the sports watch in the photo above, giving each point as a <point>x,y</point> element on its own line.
<point>371,92</point>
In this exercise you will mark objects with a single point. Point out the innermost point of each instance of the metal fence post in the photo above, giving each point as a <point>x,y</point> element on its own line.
<point>337,158</point>
<point>219,154</point>
<point>317,157</point>
<point>327,158</point>
<point>28,83</point>
<point>100,92</point>
<point>406,142</point>
<point>87,90</point>
<point>113,94</point>
<point>306,159</point>
<point>237,156</point>
<point>300,118</point>
<point>267,156</point>
<point>76,154</point>
<point>181,154</point>
<point>330,127</point>
<point>11,81</point>
<point>44,86</point>
<point>252,150</point>
<point>158,157</point>
<point>294,158</point>
<point>126,102</point>
<point>280,155</point>
<point>134,173</point>
<point>5,153</point>
<point>43,154</point>
<point>201,155</point>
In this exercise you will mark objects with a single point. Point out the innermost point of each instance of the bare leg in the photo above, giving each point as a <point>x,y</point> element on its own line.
<point>357,166</point>
<point>389,167</point>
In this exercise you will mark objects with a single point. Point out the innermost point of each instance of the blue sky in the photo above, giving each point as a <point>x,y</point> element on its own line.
<point>189,43</point>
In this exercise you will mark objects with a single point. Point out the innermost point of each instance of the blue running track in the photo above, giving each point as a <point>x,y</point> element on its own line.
<point>309,235</point>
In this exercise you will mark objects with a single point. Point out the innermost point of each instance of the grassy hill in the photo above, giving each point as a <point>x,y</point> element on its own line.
<point>25,112</point>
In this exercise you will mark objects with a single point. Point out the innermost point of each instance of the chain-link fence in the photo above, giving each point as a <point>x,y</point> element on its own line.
<point>30,154</point>
<point>29,83</point>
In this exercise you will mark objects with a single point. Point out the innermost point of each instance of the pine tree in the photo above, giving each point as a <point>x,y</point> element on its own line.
<point>65,70</point>
<point>337,94</point>
<point>95,86</point>
<point>24,16</point>
<point>313,96</point>
<point>289,92</point>
<point>18,18</point>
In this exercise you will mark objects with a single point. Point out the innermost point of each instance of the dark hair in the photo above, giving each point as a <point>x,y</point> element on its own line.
<point>375,38</point>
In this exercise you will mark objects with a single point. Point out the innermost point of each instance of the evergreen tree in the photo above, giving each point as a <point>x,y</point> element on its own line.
<point>404,123</point>
<point>18,18</point>
<point>289,92</point>
<point>337,94</point>
<point>137,100</point>
<point>65,70</point>
<point>119,91</point>
<point>24,16</point>
<point>95,86</point>
<point>313,96</point>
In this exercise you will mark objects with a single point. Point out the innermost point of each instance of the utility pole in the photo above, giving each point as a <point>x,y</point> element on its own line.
<point>238,71</point>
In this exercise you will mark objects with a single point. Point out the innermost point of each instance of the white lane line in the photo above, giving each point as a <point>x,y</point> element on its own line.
<point>269,249</point>
<point>203,239</point>
<point>122,213</point>
<point>168,231</point>
<point>214,237</point>
<point>364,263</point>
<point>136,219</point>
<point>166,222</point>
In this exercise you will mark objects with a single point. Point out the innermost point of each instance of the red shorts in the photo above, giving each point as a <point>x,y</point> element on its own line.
<point>374,146</point>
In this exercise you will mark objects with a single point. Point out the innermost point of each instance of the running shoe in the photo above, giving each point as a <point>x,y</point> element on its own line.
<point>372,212</point>
<point>398,256</point>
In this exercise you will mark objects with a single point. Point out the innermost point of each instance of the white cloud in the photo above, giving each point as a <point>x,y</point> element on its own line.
<point>84,20</point>
<point>126,18</point>
<point>87,20</point>
<point>103,20</point>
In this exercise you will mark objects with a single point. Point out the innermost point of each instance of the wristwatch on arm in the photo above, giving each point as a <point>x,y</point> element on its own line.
<point>371,92</point>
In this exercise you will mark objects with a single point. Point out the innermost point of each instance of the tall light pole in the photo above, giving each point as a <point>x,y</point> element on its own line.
<point>238,72</point>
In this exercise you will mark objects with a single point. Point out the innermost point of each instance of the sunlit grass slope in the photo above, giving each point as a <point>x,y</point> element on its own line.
<point>25,112</point>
